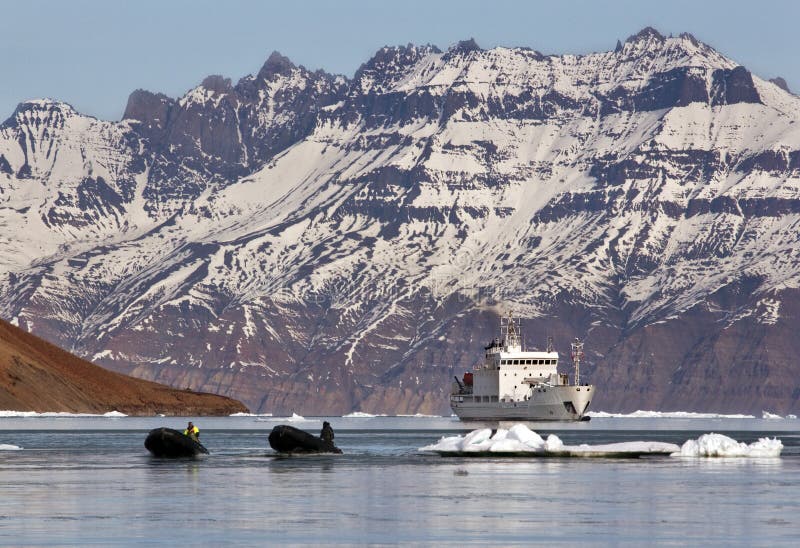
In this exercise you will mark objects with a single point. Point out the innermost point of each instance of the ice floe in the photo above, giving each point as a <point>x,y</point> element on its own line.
<point>33,414</point>
<point>665,415</point>
<point>7,447</point>
<point>718,445</point>
<point>519,440</point>
<point>251,415</point>
<point>294,418</point>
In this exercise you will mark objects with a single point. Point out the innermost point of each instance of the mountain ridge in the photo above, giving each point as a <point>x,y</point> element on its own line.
<point>301,233</point>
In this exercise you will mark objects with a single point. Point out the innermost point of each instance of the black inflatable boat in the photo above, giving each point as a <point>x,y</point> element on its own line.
<point>288,439</point>
<point>169,443</point>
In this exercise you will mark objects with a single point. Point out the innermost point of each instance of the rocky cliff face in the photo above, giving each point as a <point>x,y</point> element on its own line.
<point>312,243</point>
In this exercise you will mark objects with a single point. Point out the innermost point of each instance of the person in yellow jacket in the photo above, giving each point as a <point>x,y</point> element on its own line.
<point>192,431</point>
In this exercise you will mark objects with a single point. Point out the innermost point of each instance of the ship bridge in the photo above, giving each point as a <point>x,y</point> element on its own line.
<point>507,372</point>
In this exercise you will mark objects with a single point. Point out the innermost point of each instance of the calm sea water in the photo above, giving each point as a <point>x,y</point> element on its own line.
<point>89,481</point>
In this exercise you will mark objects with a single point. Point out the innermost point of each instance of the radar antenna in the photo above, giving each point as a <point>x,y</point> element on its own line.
<point>577,356</point>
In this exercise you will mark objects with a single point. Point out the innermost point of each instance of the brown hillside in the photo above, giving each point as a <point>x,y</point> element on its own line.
<point>38,376</point>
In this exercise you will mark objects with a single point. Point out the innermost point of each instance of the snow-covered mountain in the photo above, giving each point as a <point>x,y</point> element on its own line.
<point>308,242</point>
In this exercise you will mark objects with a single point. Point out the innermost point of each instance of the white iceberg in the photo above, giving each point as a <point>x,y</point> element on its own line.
<point>519,440</point>
<point>718,445</point>
<point>114,414</point>
<point>7,447</point>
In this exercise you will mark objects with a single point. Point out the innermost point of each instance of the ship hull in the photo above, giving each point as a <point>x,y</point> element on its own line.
<point>554,403</point>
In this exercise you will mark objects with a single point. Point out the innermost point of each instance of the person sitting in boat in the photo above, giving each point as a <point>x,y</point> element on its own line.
<point>327,433</point>
<point>192,431</point>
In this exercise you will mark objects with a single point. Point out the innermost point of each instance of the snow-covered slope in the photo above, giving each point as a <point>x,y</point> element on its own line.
<point>304,242</point>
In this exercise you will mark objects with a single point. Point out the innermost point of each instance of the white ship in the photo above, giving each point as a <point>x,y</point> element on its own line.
<point>513,384</point>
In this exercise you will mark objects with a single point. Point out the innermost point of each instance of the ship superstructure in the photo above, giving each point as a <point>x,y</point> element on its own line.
<point>515,384</point>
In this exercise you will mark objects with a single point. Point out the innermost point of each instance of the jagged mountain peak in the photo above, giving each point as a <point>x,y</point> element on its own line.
<point>389,64</point>
<point>146,106</point>
<point>217,84</point>
<point>781,83</point>
<point>647,34</point>
<point>690,38</point>
<point>276,64</point>
<point>34,110</point>
<point>394,58</point>
<point>684,48</point>
<point>465,46</point>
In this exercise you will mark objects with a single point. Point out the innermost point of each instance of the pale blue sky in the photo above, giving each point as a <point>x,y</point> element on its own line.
<point>93,53</point>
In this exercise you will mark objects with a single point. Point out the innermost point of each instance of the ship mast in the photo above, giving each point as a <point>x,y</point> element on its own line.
<point>510,332</point>
<point>577,356</point>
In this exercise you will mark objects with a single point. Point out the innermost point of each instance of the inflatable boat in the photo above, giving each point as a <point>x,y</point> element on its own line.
<point>288,439</point>
<point>169,443</point>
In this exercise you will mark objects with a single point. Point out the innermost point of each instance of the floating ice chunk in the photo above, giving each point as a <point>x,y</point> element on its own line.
<point>251,415</point>
<point>507,445</point>
<point>718,445</point>
<point>450,445</point>
<point>477,440</point>
<point>554,443</point>
<point>790,416</point>
<point>114,414</point>
<point>295,418</point>
<point>526,436</point>
<point>359,415</point>
<point>7,447</point>
<point>520,440</point>
<point>500,434</point>
<point>768,415</point>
